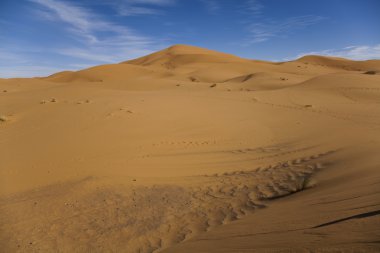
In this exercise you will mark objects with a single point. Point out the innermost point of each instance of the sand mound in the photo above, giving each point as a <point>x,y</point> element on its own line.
<point>71,76</point>
<point>341,63</point>
<point>192,150</point>
<point>180,55</point>
<point>111,72</point>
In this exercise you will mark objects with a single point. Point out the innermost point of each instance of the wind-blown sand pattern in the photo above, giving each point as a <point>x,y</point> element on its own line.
<point>192,150</point>
<point>154,216</point>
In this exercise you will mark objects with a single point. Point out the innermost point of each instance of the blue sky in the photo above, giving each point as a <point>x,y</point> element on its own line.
<point>40,37</point>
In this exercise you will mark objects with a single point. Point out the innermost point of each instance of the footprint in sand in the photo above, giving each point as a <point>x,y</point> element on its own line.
<point>52,100</point>
<point>87,101</point>
<point>3,119</point>
<point>125,110</point>
<point>120,110</point>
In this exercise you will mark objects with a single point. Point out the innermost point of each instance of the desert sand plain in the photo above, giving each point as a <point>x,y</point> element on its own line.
<point>193,150</point>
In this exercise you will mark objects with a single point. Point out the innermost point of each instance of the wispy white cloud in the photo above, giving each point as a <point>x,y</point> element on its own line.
<point>82,22</point>
<point>102,41</point>
<point>212,6</point>
<point>152,2</point>
<point>251,8</point>
<point>96,41</point>
<point>15,63</point>
<point>104,54</point>
<point>363,52</point>
<point>139,7</point>
<point>76,16</point>
<point>9,57</point>
<point>254,7</point>
<point>27,71</point>
<point>263,31</point>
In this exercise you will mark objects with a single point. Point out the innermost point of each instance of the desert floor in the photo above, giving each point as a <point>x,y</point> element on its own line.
<point>192,150</point>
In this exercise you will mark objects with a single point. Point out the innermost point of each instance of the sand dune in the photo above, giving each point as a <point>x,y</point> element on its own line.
<point>179,55</point>
<point>192,150</point>
<point>340,63</point>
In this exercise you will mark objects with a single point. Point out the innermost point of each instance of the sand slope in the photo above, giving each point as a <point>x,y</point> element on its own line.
<point>192,150</point>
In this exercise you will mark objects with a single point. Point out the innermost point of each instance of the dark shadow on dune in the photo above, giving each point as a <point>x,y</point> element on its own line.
<point>357,216</point>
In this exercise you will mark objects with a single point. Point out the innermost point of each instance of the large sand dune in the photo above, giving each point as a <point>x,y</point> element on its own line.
<point>192,150</point>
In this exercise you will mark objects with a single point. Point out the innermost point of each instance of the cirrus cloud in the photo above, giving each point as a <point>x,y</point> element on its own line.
<point>263,31</point>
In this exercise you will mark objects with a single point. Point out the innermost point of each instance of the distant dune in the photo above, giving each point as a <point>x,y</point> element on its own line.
<point>340,63</point>
<point>188,63</point>
<point>193,150</point>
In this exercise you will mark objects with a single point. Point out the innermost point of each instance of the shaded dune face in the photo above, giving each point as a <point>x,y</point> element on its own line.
<point>192,150</point>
